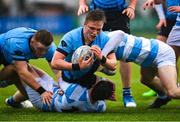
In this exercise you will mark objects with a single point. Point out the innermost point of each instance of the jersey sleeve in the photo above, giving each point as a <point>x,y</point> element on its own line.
<point>105,40</point>
<point>50,52</point>
<point>65,45</point>
<point>17,50</point>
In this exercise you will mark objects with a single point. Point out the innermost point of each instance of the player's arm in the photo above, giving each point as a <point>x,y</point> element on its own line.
<point>59,63</point>
<point>150,3</point>
<point>44,76</point>
<point>115,37</point>
<point>108,61</point>
<point>130,10</point>
<point>160,12</point>
<point>83,7</point>
<point>21,68</point>
<point>49,57</point>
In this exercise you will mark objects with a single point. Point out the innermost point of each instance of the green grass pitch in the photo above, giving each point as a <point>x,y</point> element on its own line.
<point>115,110</point>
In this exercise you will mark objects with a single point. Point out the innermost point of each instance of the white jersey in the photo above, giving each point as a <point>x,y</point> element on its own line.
<point>75,98</point>
<point>145,52</point>
<point>137,49</point>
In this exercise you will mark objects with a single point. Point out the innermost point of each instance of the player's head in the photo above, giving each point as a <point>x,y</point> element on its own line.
<point>40,42</point>
<point>104,89</point>
<point>93,24</point>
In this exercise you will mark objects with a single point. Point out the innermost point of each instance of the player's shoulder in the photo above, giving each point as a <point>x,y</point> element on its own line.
<point>73,37</point>
<point>20,32</point>
<point>102,37</point>
<point>74,33</point>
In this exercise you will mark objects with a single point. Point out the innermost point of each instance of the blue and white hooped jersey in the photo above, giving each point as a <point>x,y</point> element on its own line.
<point>137,49</point>
<point>71,41</point>
<point>15,46</point>
<point>109,4</point>
<point>76,98</point>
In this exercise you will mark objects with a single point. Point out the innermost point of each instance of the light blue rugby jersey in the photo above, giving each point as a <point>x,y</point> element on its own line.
<point>71,41</point>
<point>171,15</point>
<point>108,4</point>
<point>137,49</point>
<point>15,45</point>
<point>76,97</point>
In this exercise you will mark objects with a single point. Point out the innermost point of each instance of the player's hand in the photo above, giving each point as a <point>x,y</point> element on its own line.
<point>174,9</point>
<point>97,52</point>
<point>83,8</point>
<point>85,63</point>
<point>130,12</point>
<point>47,97</point>
<point>162,22</point>
<point>148,4</point>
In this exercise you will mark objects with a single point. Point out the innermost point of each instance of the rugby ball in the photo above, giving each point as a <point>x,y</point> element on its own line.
<point>84,52</point>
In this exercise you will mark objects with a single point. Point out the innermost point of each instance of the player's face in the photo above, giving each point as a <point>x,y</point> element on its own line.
<point>39,50</point>
<point>92,29</point>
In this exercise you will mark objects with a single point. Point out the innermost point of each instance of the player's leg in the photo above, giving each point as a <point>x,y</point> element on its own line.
<point>169,81</point>
<point>125,68</point>
<point>18,100</point>
<point>33,95</point>
<point>148,78</point>
<point>8,76</point>
<point>162,36</point>
<point>177,53</point>
<point>121,23</point>
<point>125,71</point>
<point>118,21</point>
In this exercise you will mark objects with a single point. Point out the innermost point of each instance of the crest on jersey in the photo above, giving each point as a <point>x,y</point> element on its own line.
<point>63,43</point>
